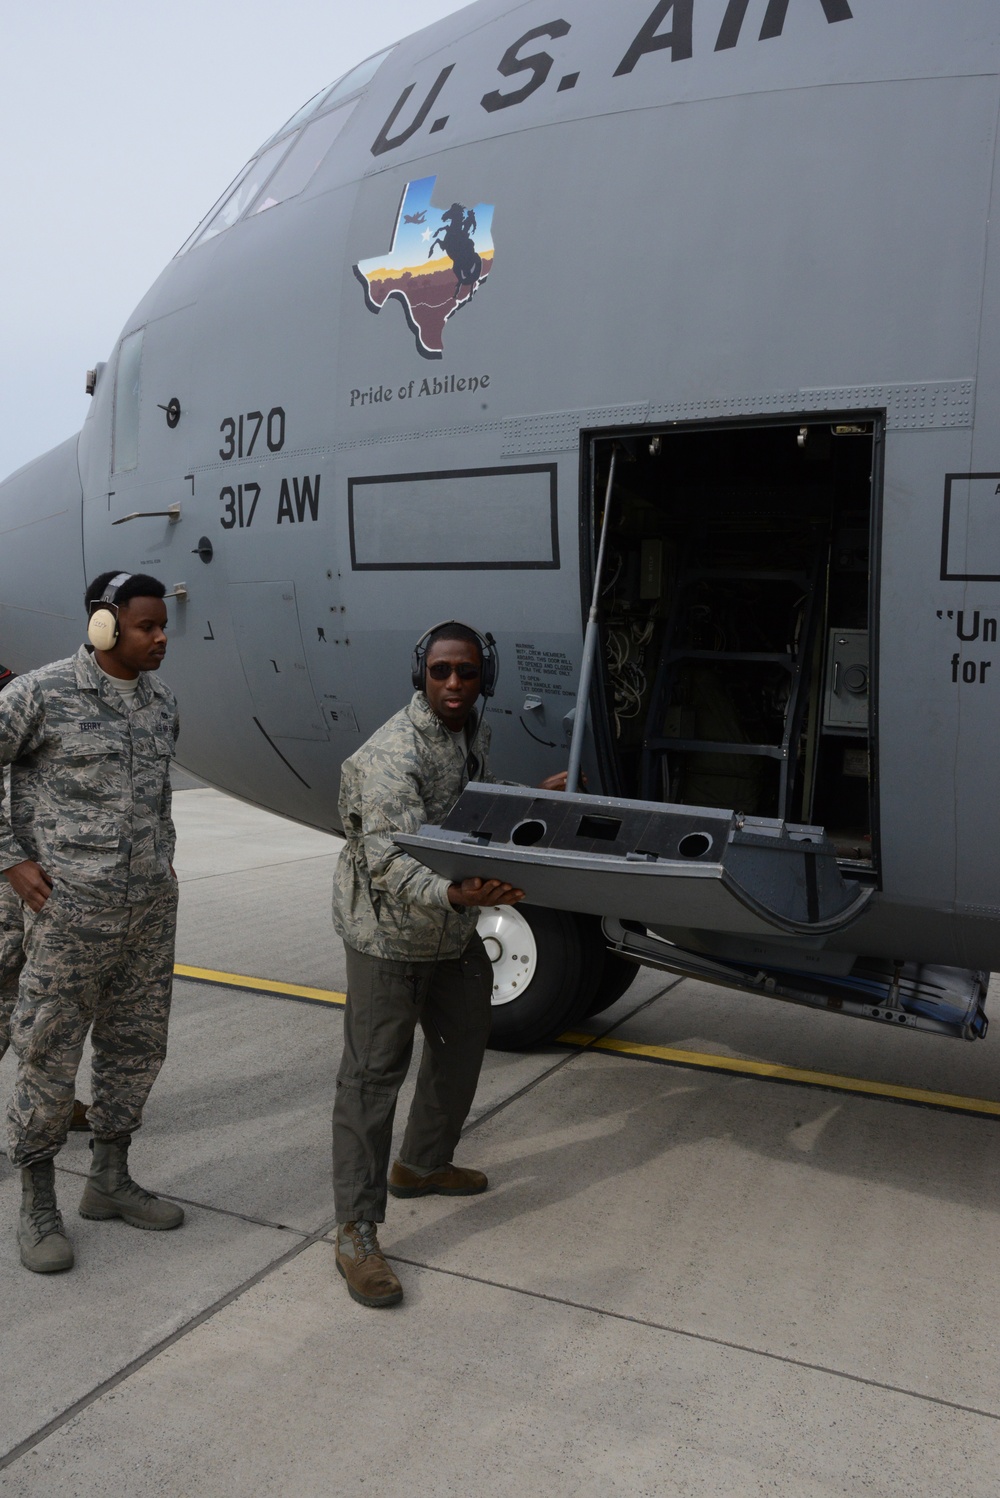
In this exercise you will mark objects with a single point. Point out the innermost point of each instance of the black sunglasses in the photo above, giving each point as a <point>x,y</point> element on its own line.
<point>465,671</point>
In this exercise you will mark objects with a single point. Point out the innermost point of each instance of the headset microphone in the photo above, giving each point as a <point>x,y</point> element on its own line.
<point>487,649</point>
<point>102,627</point>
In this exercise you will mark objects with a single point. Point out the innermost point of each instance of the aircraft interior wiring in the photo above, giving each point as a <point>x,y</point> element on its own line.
<point>735,614</point>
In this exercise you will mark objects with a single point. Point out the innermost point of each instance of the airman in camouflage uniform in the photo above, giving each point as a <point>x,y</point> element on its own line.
<point>88,845</point>
<point>413,957</point>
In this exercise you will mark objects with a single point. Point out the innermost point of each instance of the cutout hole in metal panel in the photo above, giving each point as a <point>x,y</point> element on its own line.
<point>694,845</point>
<point>527,834</point>
<point>606,828</point>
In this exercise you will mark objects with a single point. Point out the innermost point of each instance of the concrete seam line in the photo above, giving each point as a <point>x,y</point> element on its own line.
<point>595,1040</point>
<point>521,1092</point>
<point>116,1379</point>
<point>282,863</point>
<point>550,1071</point>
<point>190,1201</point>
<point>680,1331</point>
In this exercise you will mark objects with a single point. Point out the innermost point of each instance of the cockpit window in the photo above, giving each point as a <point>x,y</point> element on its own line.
<point>246,189</point>
<point>210,215</point>
<point>125,431</point>
<point>286,162</point>
<point>298,166</point>
<point>351,83</point>
<point>358,77</point>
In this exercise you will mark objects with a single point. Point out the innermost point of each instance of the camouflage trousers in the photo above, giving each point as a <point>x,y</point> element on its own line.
<point>108,971</point>
<point>11,957</point>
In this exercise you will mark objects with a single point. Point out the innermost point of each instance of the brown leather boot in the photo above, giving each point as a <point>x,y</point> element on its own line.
<point>360,1260</point>
<point>446,1180</point>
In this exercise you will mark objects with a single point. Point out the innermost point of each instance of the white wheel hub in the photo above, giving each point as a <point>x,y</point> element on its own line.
<point>510,945</point>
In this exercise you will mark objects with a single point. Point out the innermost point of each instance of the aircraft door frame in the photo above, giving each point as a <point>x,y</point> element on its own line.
<point>799,429</point>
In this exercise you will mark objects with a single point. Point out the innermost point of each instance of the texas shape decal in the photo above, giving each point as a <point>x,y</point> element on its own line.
<point>437,261</point>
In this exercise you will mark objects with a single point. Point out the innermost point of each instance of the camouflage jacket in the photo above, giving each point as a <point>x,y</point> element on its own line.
<point>89,781</point>
<point>411,771</point>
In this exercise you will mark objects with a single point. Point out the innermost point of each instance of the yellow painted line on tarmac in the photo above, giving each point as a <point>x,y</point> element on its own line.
<point>259,985</point>
<point>772,1071</point>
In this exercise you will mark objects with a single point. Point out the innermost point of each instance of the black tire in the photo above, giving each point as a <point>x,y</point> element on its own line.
<point>612,974</point>
<point>559,988</point>
<point>617,977</point>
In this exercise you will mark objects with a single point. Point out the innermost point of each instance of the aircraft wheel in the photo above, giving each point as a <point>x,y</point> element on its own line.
<point>617,977</point>
<point>613,975</point>
<point>540,978</point>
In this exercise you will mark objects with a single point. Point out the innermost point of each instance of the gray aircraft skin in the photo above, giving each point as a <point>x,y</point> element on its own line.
<point>750,248</point>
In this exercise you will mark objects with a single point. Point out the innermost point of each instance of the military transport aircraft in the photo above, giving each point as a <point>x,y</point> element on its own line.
<point>690,309</point>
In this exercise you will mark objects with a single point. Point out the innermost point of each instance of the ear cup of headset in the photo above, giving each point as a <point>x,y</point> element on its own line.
<point>102,629</point>
<point>102,626</point>
<point>418,674</point>
<point>491,665</point>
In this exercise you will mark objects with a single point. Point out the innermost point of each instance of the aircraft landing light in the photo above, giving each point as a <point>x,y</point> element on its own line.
<point>774,1072</point>
<point>260,985</point>
<point>767,1071</point>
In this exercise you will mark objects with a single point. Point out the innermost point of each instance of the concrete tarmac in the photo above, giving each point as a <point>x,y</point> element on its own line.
<point>680,1283</point>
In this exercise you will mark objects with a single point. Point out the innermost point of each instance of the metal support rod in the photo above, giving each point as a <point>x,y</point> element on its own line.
<point>590,641</point>
<point>172,513</point>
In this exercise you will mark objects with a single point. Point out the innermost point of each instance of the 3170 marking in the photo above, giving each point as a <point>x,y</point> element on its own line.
<point>241,433</point>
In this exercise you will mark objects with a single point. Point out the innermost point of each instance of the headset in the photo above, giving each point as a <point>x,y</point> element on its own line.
<point>102,628</point>
<point>487,648</point>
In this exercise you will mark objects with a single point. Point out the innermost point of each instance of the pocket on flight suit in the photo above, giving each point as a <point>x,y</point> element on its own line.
<point>95,767</point>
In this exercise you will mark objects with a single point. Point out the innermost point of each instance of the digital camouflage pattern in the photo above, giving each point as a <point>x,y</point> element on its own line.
<point>89,781</point>
<point>90,802</point>
<point>11,957</point>
<point>106,970</point>
<point>411,771</point>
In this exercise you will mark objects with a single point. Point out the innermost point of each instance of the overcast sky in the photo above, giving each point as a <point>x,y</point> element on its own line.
<point>122,122</point>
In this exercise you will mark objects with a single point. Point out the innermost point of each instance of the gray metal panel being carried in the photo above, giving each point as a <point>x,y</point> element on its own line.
<point>689,866</point>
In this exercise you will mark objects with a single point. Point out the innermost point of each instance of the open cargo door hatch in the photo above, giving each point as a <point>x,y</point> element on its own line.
<point>734,574</point>
<point>673,866</point>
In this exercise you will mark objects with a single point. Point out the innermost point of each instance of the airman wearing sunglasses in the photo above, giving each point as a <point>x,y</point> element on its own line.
<point>413,956</point>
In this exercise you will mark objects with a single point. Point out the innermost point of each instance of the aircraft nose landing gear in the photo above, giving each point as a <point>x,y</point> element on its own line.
<point>551,969</point>
<point>510,946</point>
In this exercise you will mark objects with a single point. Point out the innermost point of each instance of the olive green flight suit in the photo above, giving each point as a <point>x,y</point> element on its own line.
<point>411,959</point>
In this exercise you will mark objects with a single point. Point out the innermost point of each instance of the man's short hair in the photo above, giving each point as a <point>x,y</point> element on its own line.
<point>139,585</point>
<point>455,632</point>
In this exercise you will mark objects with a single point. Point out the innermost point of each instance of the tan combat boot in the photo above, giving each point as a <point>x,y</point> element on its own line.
<point>111,1192</point>
<point>370,1281</point>
<point>45,1249</point>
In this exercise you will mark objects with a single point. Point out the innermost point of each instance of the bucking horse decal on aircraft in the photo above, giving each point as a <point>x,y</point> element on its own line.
<point>432,271</point>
